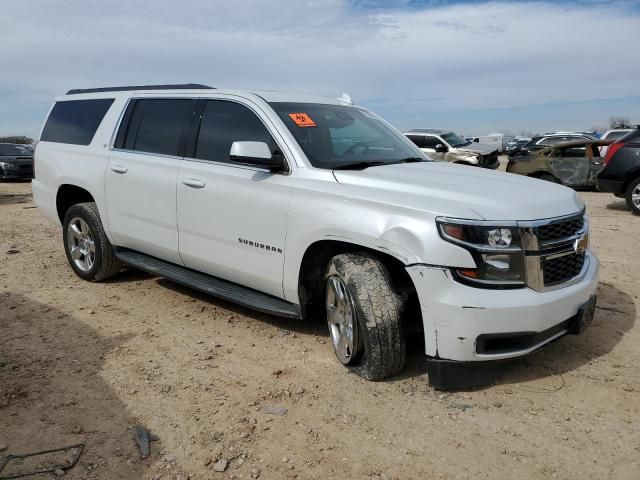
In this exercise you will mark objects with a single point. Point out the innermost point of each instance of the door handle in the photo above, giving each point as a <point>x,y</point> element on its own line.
<point>193,183</point>
<point>119,168</point>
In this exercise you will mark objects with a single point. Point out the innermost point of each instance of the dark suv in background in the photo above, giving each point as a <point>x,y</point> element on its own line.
<point>621,173</point>
<point>16,161</point>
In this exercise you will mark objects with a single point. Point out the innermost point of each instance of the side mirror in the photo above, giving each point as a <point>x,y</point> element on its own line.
<point>440,148</point>
<point>256,154</point>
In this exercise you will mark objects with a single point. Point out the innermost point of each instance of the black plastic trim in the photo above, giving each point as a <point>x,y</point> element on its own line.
<point>208,284</point>
<point>178,86</point>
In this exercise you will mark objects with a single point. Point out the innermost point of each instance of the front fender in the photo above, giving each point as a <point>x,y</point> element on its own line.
<point>405,244</point>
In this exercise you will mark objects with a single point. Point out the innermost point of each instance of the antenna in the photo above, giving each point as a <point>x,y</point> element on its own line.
<point>346,98</point>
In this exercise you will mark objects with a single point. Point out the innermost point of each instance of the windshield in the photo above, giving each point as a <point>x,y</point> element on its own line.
<point>455,140</point>
<point>337,136</point>
<point>13,151</point>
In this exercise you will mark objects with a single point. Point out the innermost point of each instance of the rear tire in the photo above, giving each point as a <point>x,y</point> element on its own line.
<point>88,249</point>
<point>633,196</point>
<point>364,316</point>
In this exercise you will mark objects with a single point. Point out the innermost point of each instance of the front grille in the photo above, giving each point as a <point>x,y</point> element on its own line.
<point>558,230</point>
<point>562,269</point>
<point>26,167</point>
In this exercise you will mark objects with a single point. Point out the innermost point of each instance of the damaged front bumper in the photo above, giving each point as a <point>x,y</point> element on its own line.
<point>468,328</point>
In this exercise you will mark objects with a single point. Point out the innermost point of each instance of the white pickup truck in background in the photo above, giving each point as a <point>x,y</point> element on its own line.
<point>303,207</point>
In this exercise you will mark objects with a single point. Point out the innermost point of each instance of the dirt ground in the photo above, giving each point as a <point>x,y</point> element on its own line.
<point>85,363</point>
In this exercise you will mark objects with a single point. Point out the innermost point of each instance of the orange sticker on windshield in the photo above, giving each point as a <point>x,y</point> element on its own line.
<point>302,120</point>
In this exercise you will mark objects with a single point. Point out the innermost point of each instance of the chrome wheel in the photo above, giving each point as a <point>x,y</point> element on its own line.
<point>82,248</point>
<point>341,316</point>
<point>635,196</point>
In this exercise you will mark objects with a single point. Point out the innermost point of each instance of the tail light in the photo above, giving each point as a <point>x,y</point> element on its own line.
<point>611,151</point>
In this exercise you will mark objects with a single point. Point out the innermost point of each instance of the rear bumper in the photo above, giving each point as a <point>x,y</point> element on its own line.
<point>15,173</point>
<point>468,324</point>
<point>609,185</point>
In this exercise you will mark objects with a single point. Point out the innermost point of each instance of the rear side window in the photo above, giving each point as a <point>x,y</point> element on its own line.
<point>156,126</point>
<point>616,135</point>
<point>75,121</point>
<point>224,123</point>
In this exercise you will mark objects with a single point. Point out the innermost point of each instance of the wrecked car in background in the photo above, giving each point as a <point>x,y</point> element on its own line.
<point>573,164</point>
<point>445,145</point>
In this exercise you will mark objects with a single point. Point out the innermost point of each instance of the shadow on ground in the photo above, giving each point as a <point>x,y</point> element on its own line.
<point>620,205</point>
<point>14,199</point>
<point>615,316</point>
<point>52,394</point>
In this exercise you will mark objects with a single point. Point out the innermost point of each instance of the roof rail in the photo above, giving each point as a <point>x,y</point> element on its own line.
<point>180,86</point>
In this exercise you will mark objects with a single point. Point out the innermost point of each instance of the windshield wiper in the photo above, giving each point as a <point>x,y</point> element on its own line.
<point>377,163</point>
<point>359,165</point>
<point>409,160</point>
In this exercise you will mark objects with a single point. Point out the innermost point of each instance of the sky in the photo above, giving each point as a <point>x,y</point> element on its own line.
<point>472,66</point>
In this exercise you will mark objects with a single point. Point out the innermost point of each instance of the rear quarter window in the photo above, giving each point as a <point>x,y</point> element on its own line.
<point>75,121</point>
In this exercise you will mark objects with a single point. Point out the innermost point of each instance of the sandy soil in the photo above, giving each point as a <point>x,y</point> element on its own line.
<point>82,362</point>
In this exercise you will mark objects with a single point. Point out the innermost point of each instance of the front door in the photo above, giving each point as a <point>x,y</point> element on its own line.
<point>232,218</point>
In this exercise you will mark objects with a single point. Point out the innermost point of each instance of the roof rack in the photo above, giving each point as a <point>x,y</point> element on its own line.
<point>180,86</point>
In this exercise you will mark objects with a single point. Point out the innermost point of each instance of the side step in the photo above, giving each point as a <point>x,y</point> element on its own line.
<point>211,285</point>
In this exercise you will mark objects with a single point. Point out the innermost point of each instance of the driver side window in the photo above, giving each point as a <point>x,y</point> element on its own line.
<point>431,142</point>
<point>226,122</point>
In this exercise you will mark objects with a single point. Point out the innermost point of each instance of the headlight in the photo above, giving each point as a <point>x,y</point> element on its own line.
<point>6,165</point>
<point>496,249</point>
<point>469,158</point>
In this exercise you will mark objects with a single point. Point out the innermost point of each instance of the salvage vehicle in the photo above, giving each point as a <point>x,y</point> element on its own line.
<point>303,207</point>
<point>621,173</point>
<point>16,162</point>
<point>574,164</point>
<point>445,145</point>
<point>543,141</point>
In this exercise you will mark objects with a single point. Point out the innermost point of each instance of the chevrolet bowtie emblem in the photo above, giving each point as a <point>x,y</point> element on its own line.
<point>581,244</point>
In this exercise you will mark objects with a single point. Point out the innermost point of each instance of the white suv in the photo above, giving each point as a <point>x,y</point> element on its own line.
<point>296,205</point>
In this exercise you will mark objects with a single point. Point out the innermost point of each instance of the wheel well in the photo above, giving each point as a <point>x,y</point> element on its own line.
<point>311,287</point>
<point>69,195</point>
<point>631,178</point>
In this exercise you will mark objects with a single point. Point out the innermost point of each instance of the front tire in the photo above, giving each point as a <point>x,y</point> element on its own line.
<point>88,249</point>
<point>633,196</point>
<point>364,316</point>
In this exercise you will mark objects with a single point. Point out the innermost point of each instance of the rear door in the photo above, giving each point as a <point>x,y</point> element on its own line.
<point>232,218</point>
<point>142,174</point>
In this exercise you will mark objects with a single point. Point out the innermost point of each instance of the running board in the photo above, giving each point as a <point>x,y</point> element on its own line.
<point>213,286</point>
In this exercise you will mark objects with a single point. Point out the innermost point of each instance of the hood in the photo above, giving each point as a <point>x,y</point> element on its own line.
<point>462,191</point>
<point>478,148</point>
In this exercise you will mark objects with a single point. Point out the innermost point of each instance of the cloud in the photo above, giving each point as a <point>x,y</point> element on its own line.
<point>408,57</point>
